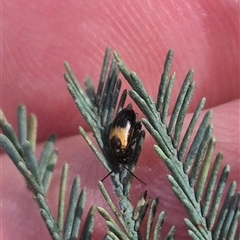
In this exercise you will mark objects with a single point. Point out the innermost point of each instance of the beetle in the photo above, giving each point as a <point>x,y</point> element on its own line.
<point>123,135</point>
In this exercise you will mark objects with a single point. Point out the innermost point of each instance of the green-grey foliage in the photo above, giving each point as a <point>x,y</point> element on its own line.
<point>189,170</point>
<point>194,176</point>
<point>98,108</point>
<point>38,175</point>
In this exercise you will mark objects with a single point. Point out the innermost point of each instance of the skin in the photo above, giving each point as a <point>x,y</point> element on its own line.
<point>39,36</point>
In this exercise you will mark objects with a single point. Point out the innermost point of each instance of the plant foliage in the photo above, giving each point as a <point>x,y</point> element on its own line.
<point>98,109</point>
<point>189,170</point>
<point>38,175</point>
<point>193,177</point>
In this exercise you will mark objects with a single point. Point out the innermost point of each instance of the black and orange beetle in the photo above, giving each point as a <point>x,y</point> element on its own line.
<point>123,134</point>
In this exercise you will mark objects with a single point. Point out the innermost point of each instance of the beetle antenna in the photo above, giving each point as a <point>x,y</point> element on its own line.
<point>106,176</point>
<point>128,171</point>
<point>134,175</point>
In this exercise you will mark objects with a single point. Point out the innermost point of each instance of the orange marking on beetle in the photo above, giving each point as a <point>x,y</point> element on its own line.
<point>122,134</point>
